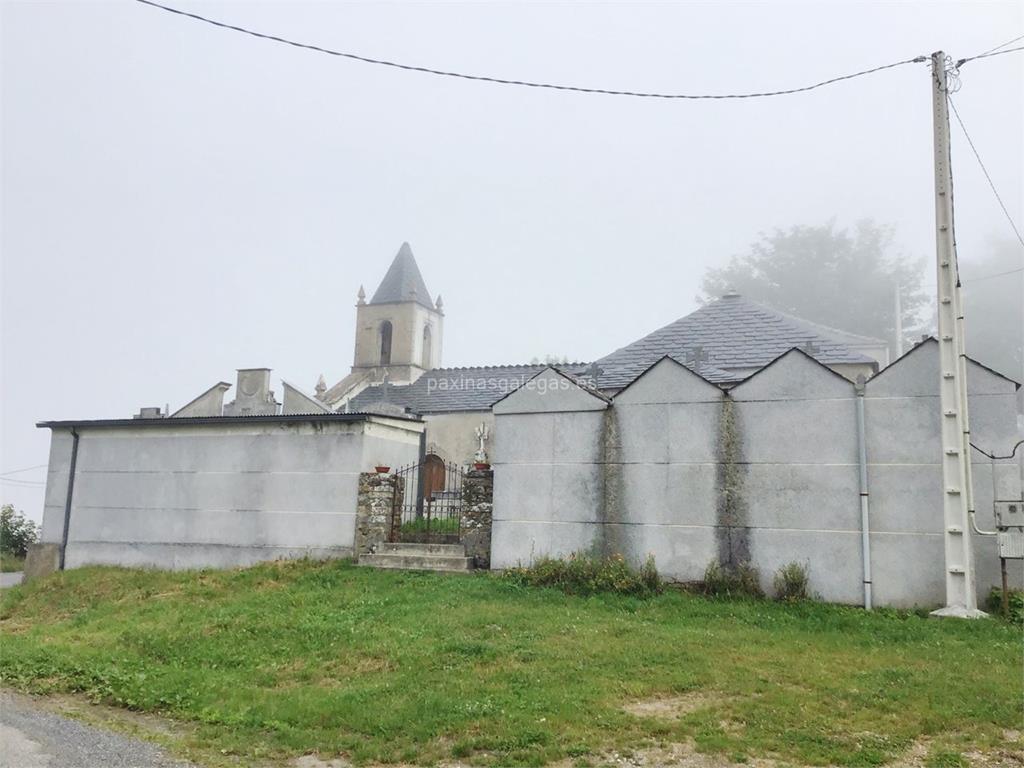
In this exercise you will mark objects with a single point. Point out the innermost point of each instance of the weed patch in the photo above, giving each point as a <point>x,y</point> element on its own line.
<point>582,574</point>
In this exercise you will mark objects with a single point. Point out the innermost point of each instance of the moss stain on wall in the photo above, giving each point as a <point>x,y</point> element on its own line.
<point>731,532</point>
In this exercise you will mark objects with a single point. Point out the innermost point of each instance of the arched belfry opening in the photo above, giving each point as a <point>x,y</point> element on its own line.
<point>427,349</point>
<point>385,342</point>
<point>400,329</point>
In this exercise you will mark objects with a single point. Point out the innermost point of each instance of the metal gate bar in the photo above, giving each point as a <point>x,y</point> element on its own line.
<point>428,502</point>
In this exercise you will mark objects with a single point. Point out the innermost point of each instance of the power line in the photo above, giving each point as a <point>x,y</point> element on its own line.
<point>984,170</point>
<point>1008,42</point>
<point>22,483</point>
<point>997,274</point>
<point>961,62</point>
<point>525,83</point>
<point>25,469</point>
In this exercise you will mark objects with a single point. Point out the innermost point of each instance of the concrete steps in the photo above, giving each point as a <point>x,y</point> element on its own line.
<point>449,558</point>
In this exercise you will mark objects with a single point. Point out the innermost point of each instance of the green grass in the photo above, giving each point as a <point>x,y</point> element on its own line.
<point>443,525</point>
<point>286,659</point>
<point>11,563</point>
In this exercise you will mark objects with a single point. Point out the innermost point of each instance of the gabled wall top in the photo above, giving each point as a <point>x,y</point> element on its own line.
<point>916,374</point>
<point>668,381</point>
<point>794,375</point>
<point>551,391</point>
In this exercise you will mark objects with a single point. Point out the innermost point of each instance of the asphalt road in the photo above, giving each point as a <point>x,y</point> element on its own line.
<point>31,737</point>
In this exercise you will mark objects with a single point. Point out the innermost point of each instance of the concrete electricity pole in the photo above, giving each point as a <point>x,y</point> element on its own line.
<point>957,496</point>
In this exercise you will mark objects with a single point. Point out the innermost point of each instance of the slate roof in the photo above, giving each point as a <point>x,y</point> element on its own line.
<point>451,390</point>
<point>734,334</point>
<point>403,281</point>
<point>448,390</point>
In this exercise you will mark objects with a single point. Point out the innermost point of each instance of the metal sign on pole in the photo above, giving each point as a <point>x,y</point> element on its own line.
<point>957,496</point>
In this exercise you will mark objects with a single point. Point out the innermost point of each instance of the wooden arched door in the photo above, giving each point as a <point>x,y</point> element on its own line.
<point>434,476</point>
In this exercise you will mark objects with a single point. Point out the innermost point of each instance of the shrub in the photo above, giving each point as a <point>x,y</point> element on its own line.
<point>739,581</point>
<point>583,574</point>
<point>791,582</point>
<point>1016,604</point>
<point>16,531</point>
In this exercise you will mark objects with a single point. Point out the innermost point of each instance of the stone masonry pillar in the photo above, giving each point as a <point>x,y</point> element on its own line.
<point>477,511</point>
<point>375,510</point>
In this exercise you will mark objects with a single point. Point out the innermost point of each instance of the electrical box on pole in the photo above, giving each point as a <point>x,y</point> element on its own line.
<point>957,496</point>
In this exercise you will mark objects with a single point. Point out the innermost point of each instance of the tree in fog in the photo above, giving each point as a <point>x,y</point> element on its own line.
<point>994,308</point>
<point>843,278</point>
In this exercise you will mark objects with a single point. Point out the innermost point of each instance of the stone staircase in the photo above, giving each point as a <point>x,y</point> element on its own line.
<point>419,557</point>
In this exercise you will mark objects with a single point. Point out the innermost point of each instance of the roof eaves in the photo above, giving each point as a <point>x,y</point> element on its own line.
<point>216,420</point>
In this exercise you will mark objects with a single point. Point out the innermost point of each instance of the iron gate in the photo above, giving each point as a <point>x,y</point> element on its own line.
<point>428,502</point>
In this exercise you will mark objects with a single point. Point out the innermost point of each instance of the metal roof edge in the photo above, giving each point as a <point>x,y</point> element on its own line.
<point>279,418</point>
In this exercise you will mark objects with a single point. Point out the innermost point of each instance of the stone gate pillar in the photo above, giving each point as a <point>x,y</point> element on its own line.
<point>477,511</point>
<point>379,495</point>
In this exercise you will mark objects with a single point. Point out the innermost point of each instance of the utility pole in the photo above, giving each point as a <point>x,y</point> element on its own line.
<point>957,496</point>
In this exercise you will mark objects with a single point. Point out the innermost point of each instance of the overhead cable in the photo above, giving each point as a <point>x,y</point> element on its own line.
<point>526,83</point>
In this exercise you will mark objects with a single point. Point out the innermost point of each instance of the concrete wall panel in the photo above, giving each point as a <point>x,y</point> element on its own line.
<point>668,432</point>
<point>521,542</point>
<point>811,497</point>
<point>228,527</point>
<point>798,431</point>
<point>669,494</point>
<point>833,560</point>
<point>908,570</point>
<point>176,495</point>
<point>189,556</point>
<point>681,552</point>
<point>231,450</point>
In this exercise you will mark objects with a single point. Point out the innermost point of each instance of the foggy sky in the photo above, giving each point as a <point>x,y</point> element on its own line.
<point>179,201</point>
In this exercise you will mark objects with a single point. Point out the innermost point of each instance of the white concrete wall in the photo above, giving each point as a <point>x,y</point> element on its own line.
<point>663,498</point>
<point>798,470</point>
<point>547,480</point>
<point>905,476</point>
<point>173,495</point>
<point>646,476</point>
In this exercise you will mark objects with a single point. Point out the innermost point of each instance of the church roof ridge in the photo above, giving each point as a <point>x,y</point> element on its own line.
<point>502,366</point>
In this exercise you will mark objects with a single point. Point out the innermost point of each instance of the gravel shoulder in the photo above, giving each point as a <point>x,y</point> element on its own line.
<point>31,736</point>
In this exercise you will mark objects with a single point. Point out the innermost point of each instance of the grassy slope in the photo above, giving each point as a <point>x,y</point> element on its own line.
<point>10,563</point>
<point>285,659</point>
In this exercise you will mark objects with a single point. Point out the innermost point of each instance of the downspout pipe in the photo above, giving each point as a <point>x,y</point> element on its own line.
<point>67,499</point>
<point>865,519</point>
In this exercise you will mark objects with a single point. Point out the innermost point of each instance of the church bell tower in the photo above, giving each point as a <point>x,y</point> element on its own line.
<point>399,330</point>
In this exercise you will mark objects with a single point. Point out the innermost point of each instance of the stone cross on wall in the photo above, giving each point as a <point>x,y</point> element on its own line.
<point>482,434</point>
<point>592,373</point>
<point>697,357</point>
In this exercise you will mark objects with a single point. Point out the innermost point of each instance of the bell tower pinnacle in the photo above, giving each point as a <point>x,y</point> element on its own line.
<point>399,330</point>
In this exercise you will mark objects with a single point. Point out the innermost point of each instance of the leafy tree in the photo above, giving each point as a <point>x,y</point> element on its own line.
<point>836,277</point>
<point>16,531</point>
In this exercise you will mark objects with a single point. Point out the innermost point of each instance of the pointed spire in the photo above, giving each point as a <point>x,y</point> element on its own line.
<point>321,387</point>
<point>439,305</point>
<point>403,281</point>
<point>360,297</point>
